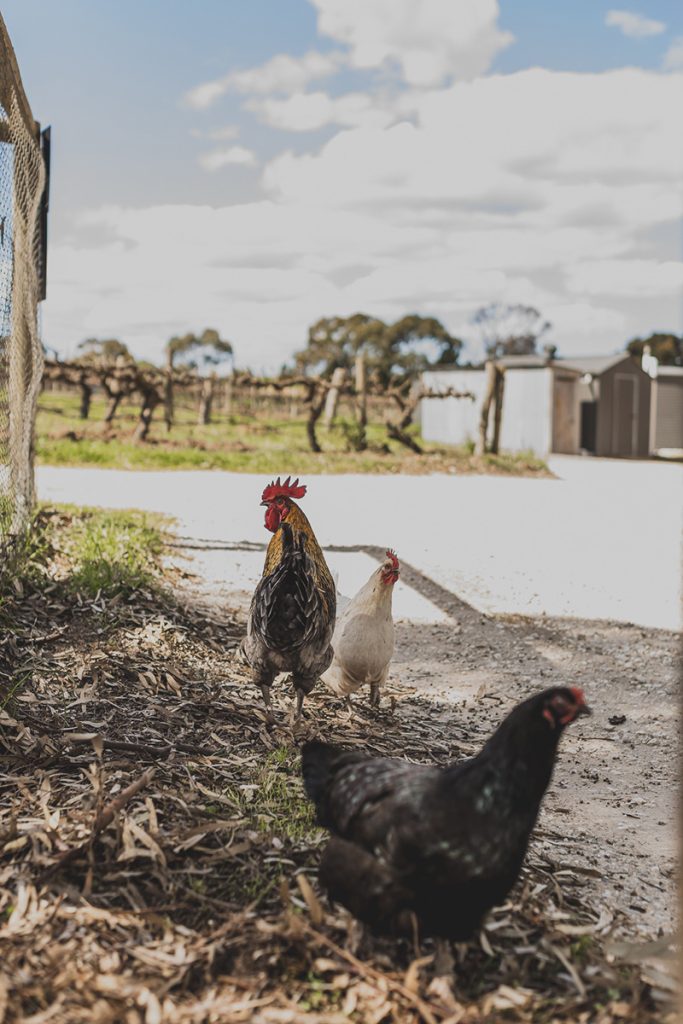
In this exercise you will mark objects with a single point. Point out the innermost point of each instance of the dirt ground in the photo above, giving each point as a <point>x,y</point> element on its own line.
<point>610,812</point>
<point>158,856</point>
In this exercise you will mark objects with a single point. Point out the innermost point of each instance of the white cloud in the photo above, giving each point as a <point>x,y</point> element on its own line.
<point>533,187</point>
<point>636,26</point>
<point>632,278</point>
<point>283,73</point>
<point>673,58</point>
<point>305,112</point>
<point>430,41</point>
<point>215,159</point>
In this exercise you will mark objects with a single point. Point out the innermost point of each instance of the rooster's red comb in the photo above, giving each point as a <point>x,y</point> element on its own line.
<point>393,558</point>
<point>286,490</point>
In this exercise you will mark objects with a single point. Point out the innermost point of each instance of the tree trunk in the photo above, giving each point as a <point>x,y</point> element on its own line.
<point>361,402</point>
<point>480,448</point>
<point>227,396</point>
<point>397,434</point>
<point>86,395</point>
<point>498,408</point>
<point>332,400</point>
<point>150,400</point>
<point>112,407</point>
<point>168,392</point>
<point>205,401</point>
<point>315,408</point>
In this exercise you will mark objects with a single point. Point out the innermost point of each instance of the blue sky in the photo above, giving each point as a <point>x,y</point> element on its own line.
<point>132,154</point>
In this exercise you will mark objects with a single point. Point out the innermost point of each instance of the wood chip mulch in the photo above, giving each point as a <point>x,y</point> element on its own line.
<point>158,857</point>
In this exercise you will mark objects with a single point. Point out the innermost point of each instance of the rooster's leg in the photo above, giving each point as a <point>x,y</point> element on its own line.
<point>300,694</point>
<point>444,964</point>
<point>374,695</point>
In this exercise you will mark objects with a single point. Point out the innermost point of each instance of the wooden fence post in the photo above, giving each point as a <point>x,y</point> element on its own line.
<point>332,399</point>
<point>490,368</point>
<point>361,402</point>
<point>498,408</point>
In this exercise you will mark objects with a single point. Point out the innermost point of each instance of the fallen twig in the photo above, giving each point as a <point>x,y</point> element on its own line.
<point>104,818</point>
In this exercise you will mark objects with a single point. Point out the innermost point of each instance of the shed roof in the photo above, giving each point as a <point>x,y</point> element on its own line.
<point>592,364</point>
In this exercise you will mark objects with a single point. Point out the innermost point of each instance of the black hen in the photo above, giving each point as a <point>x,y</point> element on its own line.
<point>442,844</point>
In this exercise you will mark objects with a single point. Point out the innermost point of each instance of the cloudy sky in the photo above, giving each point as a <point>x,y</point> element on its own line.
<point>252,165</point>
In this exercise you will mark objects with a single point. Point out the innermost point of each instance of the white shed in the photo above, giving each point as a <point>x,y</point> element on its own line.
<point>527,408</point>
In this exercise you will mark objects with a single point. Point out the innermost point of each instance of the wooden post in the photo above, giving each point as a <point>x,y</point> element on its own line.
<point>332,399</point>
<point>86,395</point>
<point>168,390</point>
<point>498,408</point>
<point>206,400</point>
<point>361,402</point>
<point>490,369</point>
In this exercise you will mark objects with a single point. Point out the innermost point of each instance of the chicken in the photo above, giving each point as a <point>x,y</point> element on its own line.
<point>437,845</point>
<point>292,613</point>
<point>363,638</point>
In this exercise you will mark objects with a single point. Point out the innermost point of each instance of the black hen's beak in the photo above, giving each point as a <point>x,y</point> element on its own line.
<point>583,709</point>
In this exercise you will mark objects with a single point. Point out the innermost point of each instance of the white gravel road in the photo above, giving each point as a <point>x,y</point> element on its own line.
<point>603,541</point>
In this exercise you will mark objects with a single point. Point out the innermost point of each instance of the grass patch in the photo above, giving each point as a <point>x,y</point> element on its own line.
<point>89,550</point>
<point>273,799</point>
<point>113,552</point>
<point>245,444</point>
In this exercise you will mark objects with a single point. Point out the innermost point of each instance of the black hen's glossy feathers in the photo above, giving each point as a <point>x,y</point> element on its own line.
<point>445,844</point>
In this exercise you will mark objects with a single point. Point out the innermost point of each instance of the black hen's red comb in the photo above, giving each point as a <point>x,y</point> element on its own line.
<point>286,490</point>
<point>393,558</point>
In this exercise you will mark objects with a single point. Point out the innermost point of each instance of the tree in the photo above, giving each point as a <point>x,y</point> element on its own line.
<point>105,351</point>
<point>509,330</point>
<point>96,352</point>
<point>195,351</point>
<point>667,348</point>
<point>392,351</point>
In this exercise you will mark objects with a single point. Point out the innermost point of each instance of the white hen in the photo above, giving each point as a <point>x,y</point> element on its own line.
<point>363,638</point>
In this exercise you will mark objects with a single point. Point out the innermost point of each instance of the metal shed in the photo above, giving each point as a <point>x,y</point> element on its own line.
<point>598,404</point>
<point>614,405</point>
<point>666,412</point>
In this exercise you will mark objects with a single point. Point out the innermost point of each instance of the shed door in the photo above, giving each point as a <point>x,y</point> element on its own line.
<point>625,416</point>
<point>669,428</point>
<point>565,416</point>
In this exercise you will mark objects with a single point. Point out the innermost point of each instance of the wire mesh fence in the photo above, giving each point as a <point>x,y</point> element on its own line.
<point>22,186</point>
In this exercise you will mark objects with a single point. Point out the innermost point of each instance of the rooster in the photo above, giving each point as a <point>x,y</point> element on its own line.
<point>437,845</point>
<point>363,639</point>
<point>292,613</point>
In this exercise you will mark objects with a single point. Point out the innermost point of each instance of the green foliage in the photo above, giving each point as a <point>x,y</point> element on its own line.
<point>667,348</point>
<point>195,350</point>
<point>402,349</point>
<point>94,350</point>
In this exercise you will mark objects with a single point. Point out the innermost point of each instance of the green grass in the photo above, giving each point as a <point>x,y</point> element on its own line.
<point>93,551</point>
<point>273,800</point>
<point>113,552</point>
<point>243,444</point>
